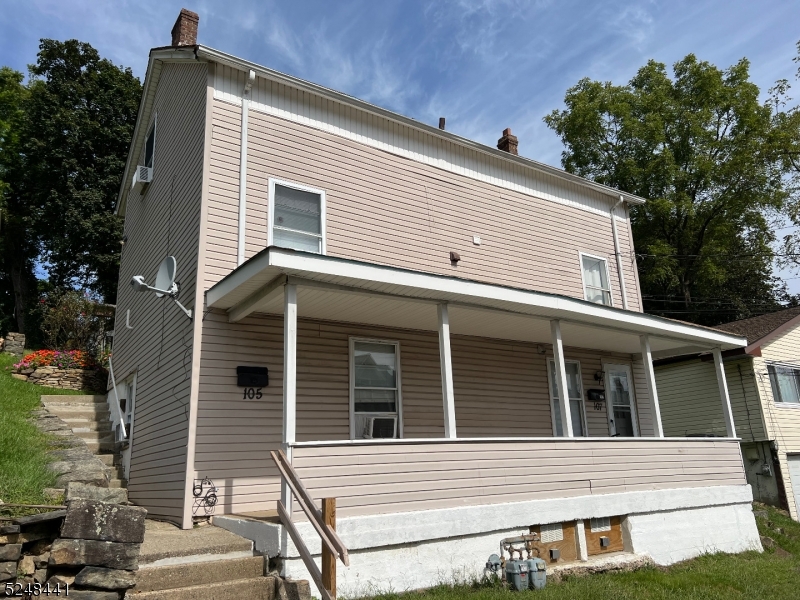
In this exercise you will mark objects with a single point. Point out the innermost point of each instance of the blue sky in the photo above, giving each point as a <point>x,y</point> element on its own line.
<point>483,64</point>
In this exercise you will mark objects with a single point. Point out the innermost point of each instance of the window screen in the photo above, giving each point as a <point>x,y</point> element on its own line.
<point>297,219</point>
<point>595,277</point>
<point>785,384</point>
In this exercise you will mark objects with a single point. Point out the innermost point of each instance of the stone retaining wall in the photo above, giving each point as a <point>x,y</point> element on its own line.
<point>13,343</point>
<point>65,379</point>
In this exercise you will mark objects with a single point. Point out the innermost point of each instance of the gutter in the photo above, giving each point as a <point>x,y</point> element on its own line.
<point>618,256</point>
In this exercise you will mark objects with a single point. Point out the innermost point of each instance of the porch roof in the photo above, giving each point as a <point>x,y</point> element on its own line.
<point>340,289</point>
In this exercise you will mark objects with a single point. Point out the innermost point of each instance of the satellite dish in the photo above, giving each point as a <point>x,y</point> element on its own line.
<point>166,276</point>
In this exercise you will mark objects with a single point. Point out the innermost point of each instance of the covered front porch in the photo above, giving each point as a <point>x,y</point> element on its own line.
<point>375,357</point>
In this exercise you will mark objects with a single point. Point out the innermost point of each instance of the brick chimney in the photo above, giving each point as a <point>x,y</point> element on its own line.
<point>508,142</point>
<point>184,32</point>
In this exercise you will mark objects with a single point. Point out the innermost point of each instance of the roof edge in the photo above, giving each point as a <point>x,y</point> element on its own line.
<point>782,328</point>
<point>213,55</point>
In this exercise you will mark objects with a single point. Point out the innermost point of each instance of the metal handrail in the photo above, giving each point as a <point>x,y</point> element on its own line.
<point>116,397</point>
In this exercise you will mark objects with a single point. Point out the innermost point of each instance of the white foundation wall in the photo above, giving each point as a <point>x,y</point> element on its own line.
<point>670,537</point>
<point>403,551</point>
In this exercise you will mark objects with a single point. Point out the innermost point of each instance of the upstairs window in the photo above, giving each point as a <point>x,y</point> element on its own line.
<point>785,383</point>
<point>595,279</point>
<point>297,217</point>
<point>150,146</point>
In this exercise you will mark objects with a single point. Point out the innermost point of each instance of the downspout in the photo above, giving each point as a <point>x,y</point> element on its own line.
<point>243,168</point>
<point>618,255</point>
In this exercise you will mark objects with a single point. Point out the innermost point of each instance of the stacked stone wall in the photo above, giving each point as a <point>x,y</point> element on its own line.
<point>65,379</point>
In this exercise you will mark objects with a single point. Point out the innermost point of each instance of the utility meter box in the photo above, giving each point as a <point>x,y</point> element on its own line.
<point>517,574</point>
<point>537,573</point>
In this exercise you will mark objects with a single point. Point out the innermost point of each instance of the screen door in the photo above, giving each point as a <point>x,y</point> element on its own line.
<point>620,402</point>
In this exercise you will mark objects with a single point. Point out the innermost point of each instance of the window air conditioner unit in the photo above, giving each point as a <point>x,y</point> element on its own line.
<point>141,177</point>
<point>380,428</point>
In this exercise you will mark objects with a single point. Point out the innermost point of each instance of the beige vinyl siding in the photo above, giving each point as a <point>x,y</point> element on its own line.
<point>690,402</point>
<point>386,209</point>
<point>372,479</point>
<point>158,348</point>
<point>783,420</point>
<point>500,390</point>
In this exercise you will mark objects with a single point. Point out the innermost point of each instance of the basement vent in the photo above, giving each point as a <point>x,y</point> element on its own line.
<point>552,533</point>
<point>601,524</point>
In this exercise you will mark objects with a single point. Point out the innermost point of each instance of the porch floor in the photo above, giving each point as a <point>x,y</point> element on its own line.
<point>265,516</point>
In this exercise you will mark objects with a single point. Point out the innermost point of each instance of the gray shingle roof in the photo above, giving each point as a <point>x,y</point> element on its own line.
<point>756,328</point>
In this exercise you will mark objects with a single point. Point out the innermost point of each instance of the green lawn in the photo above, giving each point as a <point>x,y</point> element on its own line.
<point>23,459</point>
<point>775,574</point>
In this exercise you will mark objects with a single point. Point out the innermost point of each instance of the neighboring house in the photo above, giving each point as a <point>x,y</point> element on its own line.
<point>441,322</point>
<point>764,384</point>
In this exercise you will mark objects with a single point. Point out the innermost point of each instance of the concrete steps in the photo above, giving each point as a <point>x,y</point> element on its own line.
<point>89,418</point>
<point>204,563</point>
<point>170,577</point>
<point>260,588</point>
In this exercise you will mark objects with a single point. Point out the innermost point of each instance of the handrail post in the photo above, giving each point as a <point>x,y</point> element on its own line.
<point>328,558</point>
<point>116,397</point>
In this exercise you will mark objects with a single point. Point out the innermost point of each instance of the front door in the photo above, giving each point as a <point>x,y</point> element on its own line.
<point>620,402</point>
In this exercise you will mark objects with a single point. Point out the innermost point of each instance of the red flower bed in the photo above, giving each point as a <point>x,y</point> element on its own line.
<point>66,359</point>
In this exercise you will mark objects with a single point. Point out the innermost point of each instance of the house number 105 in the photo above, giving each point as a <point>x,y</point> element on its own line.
<point>250,393</point>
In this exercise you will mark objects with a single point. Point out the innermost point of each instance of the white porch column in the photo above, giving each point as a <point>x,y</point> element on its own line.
<point>289,380</point>
<point>723,393</point>
<point>650,377</point>
<point>446,361</point>
<point>561,379</point>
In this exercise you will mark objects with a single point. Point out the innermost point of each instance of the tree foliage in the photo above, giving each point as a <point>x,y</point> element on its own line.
<point>76,118</point>
<point>700,147</point>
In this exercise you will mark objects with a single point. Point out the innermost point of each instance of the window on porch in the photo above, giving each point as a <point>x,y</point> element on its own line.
<point>375,389</point>
<point>575,393</point>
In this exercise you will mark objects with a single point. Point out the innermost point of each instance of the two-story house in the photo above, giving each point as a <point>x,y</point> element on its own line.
<point>446,337</point>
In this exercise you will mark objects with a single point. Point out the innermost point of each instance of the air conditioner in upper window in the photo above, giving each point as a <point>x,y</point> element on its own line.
<point>380,428</point>
<point>141,177</point>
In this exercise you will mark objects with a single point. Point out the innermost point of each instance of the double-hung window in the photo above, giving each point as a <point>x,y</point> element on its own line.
<point>374,389</point>
<point>297,217</point>
<point>596,287</point>
<point>575,394</point>
<point>785,382</point>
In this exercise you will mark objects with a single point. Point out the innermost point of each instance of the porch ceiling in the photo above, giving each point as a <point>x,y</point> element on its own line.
<point>351,291</point>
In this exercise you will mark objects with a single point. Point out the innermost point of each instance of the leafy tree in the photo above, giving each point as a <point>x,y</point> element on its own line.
<point>700,146</point>
<point>64,138</point>
<point>17,245</point>
<point>80,117</point>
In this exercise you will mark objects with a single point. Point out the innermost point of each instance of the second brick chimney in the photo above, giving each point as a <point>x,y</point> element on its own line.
<point>508,142</point>
<point>184,32</point>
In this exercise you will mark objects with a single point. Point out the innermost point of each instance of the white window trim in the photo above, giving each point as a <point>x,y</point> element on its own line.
<point>550,359</point>
<point>583,276</point>
<point>609,410</point>
<point>775,401</point>
<point>396,344</point>
<point>304,188</point>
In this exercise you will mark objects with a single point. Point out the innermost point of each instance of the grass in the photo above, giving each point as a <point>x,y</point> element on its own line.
<point>774,574</point>
<point>23,448</point>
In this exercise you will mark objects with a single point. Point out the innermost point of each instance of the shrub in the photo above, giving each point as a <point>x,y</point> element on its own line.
<point>70,321</point>
<point>67,359</point>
